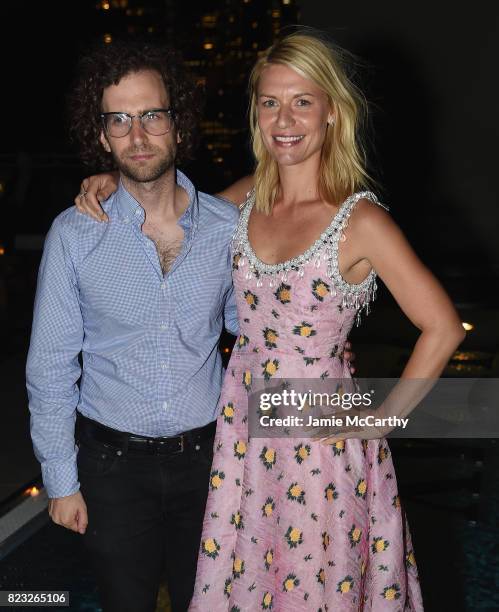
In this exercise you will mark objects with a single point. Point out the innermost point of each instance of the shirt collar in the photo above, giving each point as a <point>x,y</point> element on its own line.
<point>131,211</point>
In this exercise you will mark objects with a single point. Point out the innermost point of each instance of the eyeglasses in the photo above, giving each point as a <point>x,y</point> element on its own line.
<point>155,122</point>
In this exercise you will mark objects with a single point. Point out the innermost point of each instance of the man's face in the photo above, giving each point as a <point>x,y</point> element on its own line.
<point>139,156</point>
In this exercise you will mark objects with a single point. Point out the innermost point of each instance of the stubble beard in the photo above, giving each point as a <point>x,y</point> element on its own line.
<point>164,161</point>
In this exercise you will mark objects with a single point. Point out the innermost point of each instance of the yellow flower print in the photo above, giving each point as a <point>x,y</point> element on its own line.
<point>325,540</point>
<point>294,537</point>
<point>247,380</point>
<point>270,336</point>
<point>410,559</point>
<point>235,261</point>
<point>383,453</point>
<point>283,293</point>
<point>251,299</point>
<point>305,330</point>
<point>345,585</point>
<point>267,601</point>
<point>330,492</point>
<point>228,413</point>
<point>296,493</point>
<point>354,536</point>
<point>268,507</point>
<point>396,501</point>
<point>302,452</point>
<point>238,567</point>
<point>228,587</point>
<point>216,479</point>
<point>242,341</point>
<point>290,582</point>
<point>391,592</point>
<point>320,289</point>
<point>237,520</point>
<point>269,557</point>
<point>361,488</point>
<point>270,367</point>
<point>268,457</point>
<point>210,548</point>
<point>338,447</point>
<point>240,449</point>
<point>379,545</point>
<point>321,577</point>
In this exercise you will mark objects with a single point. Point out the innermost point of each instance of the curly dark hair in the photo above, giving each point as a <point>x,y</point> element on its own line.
<point>107,64</point>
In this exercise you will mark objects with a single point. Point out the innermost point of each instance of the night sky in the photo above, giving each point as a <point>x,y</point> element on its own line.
<point>429,74</point>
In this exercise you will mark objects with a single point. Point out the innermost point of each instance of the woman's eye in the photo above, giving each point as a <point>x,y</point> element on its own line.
<point>303,102</point>
<point>268,103</point>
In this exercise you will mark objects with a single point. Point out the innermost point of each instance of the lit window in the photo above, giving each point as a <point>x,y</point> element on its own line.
<point>108,38</point>
<point>105,5</point>
<point>286,1</point>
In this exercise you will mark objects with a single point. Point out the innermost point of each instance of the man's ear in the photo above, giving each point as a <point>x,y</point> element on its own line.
<point>179,137</point>
<point>104,142</point>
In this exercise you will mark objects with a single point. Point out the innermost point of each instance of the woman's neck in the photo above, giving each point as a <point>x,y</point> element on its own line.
<point>298,183</point>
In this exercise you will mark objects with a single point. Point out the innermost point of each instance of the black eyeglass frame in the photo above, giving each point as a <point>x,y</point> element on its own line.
<point>170,111</point>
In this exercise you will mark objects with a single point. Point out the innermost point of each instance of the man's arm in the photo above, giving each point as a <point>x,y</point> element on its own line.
<point>230,313</point>
<point>53,369</point>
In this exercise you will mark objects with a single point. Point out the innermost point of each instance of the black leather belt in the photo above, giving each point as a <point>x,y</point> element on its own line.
<point>128,442</point>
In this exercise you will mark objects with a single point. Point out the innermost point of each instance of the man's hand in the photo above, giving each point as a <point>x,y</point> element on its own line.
<point>69,512</point>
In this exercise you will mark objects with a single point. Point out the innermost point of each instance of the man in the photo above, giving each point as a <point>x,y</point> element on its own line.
<point>144,299</point>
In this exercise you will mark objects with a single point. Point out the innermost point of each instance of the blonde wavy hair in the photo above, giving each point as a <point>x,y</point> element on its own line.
<point>342,168</point>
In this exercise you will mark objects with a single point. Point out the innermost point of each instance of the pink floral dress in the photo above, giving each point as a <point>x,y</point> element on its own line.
<point>292,524</point>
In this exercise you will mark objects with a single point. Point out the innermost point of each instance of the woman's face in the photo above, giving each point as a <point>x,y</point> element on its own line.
<point>293,114</point>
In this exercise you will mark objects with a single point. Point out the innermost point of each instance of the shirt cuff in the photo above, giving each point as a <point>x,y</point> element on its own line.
<point>61,479</point>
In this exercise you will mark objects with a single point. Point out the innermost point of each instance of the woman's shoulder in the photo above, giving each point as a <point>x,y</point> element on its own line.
<point>238,192</point>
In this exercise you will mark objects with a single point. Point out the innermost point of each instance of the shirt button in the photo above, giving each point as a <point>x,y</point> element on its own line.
<point>162,284</point>
<point>163,326</point>
<point>137,213</point>
<point>165,405</point>
<point>164,365</point>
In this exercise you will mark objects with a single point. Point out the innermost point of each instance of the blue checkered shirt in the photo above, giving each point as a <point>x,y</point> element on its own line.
<point>148,341</point>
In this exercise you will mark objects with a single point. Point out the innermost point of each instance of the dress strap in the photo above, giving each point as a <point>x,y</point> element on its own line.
<point>355,295</point>
<point>249,196</point>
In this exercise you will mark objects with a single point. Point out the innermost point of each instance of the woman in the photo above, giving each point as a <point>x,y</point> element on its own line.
<point>295,524</point>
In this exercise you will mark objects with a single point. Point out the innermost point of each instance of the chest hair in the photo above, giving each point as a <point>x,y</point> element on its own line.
<point>167,252</point>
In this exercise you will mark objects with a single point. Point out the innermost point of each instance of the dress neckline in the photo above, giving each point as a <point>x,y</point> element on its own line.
<point>337,223</point>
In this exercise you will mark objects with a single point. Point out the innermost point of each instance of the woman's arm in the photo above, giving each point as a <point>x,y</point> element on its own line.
<point>94,190</point>
<point>418,293</point>
<point>375,237</point>
<point>238,191</point>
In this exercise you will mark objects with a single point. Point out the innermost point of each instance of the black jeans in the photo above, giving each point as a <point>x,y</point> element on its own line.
<point>145,515</point>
